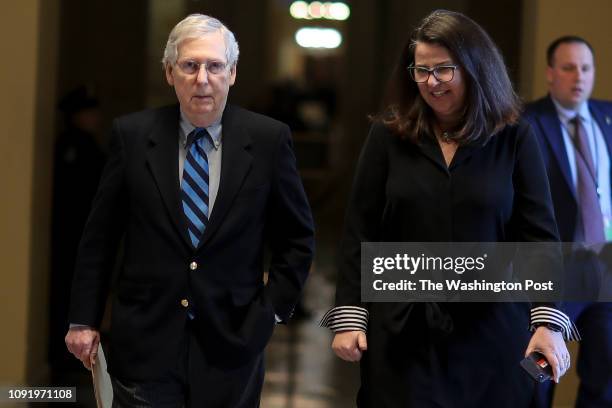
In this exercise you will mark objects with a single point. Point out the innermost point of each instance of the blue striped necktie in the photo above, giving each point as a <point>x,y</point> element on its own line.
<point>194,188</point>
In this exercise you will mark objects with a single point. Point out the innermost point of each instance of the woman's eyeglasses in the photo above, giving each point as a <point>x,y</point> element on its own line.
<point>443,73</point>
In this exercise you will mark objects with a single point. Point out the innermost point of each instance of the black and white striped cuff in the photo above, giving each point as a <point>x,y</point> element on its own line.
<point>343,318</point>
<point>543,315</point>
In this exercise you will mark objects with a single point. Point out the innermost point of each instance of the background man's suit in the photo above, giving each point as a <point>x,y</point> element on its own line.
<point>163,278</point>
<point>544,119</point>
<point>593,320</point>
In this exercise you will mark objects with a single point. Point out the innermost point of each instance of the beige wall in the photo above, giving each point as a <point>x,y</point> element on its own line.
<point>40,212</point>
<point>163,16</point>
<point>545,20</point>
<point>28,79</point>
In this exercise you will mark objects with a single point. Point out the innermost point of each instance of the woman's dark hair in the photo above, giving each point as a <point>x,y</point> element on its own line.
<point>490,101</point>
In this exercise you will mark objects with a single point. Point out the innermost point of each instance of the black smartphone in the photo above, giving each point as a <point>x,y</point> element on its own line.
<point>537,366</point>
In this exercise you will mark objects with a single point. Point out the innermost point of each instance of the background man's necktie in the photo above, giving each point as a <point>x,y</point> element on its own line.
<point>194,188</point>
<point>590,217</point>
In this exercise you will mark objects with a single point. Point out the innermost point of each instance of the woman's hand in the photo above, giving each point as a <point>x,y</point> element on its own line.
<point>349,345</point>
<point>551,344</point>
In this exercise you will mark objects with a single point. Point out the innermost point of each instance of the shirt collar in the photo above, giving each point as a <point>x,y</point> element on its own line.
<point>567,115</point>
<point>187,127</point>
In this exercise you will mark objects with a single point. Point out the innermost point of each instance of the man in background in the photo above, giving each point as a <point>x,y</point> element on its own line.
<point>575,136</point>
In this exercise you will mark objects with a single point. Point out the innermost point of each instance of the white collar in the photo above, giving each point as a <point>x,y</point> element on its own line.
<point>566,115</point>
<point>187,127</point>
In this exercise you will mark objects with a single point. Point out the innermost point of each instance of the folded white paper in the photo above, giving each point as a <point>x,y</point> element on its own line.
<point>101,381</point>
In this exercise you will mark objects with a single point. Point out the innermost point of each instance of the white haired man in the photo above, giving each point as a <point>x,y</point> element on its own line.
<point>196,190</point>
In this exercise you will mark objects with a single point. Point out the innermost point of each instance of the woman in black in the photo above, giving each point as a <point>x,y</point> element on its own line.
<point>447,160</point>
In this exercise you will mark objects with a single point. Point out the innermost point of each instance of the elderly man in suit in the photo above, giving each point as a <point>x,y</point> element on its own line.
<point>575,135</point>
<point>196,190</point>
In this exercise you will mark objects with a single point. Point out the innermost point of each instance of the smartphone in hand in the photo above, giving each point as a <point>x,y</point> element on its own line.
<point>537,366</point>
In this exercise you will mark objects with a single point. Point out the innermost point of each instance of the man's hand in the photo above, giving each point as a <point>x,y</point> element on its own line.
<point>348,345</point>
<point>82,341</point>
<point>551,345</point>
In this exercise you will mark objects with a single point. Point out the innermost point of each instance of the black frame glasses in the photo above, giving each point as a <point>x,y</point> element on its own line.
<point>443,73</point>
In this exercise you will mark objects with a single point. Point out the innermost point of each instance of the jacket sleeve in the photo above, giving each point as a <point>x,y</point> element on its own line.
<point>533,220</point>
<point>290,231</point>
<point>362,224</point>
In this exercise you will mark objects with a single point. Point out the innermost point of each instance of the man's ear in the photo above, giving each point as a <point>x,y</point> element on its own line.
<point>169,76</point>
<point>232,78</point>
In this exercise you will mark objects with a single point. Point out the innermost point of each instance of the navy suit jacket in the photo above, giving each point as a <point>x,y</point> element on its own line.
<point>260,201</point>
<point>545,122</point>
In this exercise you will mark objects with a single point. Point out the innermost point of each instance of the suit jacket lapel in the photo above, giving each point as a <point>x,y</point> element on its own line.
<point>552,131</point>
<point>604,121</point>
<point>235,165</point>
<point>162,159</point>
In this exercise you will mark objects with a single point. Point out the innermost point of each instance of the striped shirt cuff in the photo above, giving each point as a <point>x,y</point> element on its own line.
<point>343,318</point>
<point>543,315</point>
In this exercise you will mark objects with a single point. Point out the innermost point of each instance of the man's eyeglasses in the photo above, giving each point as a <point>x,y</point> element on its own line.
<point>191,67</point>
<point>443,73</point>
